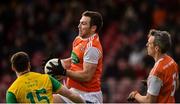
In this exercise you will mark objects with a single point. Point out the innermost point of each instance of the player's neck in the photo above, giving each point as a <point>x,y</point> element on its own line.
<point>88,36</point>
<point>22,73</point>
<point>158,56</point>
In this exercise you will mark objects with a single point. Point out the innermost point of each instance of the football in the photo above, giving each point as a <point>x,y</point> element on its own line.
<point>54,61</point>
<point>46,70</point>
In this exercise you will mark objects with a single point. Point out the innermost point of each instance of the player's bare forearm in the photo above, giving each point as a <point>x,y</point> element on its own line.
<point>66,63</point>
<point>76,98</point>
<point>85,74</point>
<point>145,99</point>
<point>70,95</point>
<point>68,60</point>
<point>78,75</point>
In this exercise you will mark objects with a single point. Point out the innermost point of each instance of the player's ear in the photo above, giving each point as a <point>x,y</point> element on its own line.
<point>93,28</point>
<point>29,66</point>
<point>157,49</point>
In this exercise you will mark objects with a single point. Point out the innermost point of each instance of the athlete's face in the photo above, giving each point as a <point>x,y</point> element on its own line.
<point>150,46</point>
<point>84,26</point>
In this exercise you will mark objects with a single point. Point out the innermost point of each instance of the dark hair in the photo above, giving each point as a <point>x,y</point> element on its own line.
<point>162,39</point>
<point>96,19</point>
<point>20,61</point>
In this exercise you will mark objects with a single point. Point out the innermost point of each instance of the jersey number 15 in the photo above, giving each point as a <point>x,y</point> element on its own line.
<point>39,97</point>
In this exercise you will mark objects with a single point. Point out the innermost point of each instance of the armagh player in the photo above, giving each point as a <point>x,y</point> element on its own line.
<point>163,79</point>
<point>31,87</point>
<point>84,68</point>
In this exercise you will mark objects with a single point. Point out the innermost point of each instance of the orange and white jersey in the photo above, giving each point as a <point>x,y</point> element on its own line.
<point>162,80</point>
<point>86,50</point>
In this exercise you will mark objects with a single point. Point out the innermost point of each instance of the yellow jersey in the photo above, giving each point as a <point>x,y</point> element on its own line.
<point>32,88</point>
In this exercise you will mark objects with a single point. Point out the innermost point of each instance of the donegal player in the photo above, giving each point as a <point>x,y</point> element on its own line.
<point>31,87</point>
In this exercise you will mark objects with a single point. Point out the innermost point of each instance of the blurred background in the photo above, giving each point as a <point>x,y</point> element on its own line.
<point>41,27</point>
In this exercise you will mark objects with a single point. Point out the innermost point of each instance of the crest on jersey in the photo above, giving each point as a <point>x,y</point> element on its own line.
<point>82,48</point>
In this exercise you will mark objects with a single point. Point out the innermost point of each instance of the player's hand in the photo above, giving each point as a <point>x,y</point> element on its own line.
<point>131,97</point>
<point>57,69</point>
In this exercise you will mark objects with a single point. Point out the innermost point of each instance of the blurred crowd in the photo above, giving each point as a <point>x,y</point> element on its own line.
<point>44,27</point>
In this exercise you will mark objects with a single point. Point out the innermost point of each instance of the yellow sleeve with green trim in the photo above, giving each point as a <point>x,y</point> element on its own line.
<point>55,83</point>
<point>10,97</point>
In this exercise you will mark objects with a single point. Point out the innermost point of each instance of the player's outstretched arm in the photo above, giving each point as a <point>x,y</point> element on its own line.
<point>134,96</point>
<point>70,95</point>
<point>58,88</point>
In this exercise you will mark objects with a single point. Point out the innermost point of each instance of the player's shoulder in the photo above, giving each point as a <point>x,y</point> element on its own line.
<point>157,67</point>
<point>94,42</point>
<point>15,85</point>
<point>76,40</point>
<point>162,64</point>
<point>167,61</point>
<point>39,76</point>
<point>35,74</point>
<point>94,38</point>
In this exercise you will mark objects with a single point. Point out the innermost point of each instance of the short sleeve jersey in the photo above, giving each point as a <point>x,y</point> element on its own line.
<point>162,80</point>
<point>33,88</point>
<point>86,50</point>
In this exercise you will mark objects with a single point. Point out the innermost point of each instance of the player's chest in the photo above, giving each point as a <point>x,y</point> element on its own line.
<point>78,52</point>
<point>79,48</point>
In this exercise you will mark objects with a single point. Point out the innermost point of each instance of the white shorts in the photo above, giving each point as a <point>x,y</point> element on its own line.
<point>94,97</point>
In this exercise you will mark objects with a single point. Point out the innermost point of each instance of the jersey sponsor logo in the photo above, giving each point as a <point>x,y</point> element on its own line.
<point>75,58</point>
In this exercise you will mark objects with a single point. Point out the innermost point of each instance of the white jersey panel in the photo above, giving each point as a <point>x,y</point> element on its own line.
<point>92,55</point>
<point>154,85</point>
